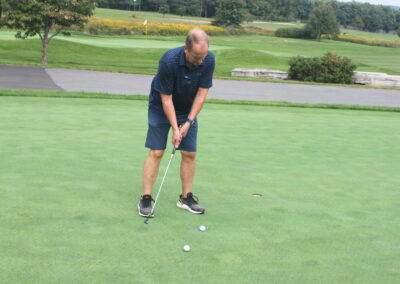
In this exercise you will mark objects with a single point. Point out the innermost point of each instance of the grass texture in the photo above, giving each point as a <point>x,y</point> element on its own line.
<point>70,175</point>
<point>136,54</point>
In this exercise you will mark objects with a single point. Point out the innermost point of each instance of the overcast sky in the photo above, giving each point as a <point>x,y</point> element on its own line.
<point>378,2</point>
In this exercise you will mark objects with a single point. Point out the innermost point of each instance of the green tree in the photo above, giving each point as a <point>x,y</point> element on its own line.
<point>260,8</point>
<point>301,9</point>
<point>181,11</point>
<point>398,32</point>
<point>323,22</point>
<point>164,9</point>
<point>229,13</point>
<point>43,17</point>
<point>249,17</point>
<point>358,23</point>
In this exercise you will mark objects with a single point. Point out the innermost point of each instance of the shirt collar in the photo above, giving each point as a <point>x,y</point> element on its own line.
<point>182,61</point>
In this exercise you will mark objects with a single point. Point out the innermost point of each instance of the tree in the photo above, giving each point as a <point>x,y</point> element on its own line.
<point>249,18</point>
<point>323,22</point>
<point>164,9</point>
<point>358,23</point>
<point>229,13</point>
<point>398,32</point>
<point>301,9</point>
<point>41,17</point>
<point>260,8</point>
<point>3,7</point>
<point>181,11</point>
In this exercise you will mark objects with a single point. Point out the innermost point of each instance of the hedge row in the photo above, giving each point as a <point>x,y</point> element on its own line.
<point>138,28</point>
<point>293,33</point>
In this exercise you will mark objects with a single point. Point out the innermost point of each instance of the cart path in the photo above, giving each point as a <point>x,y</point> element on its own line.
<point>39,78</point>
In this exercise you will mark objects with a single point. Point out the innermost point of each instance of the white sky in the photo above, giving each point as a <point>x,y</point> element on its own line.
<point>378,2</point>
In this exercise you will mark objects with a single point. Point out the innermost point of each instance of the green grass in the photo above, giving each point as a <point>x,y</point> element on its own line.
<point>87,95</point>
<point>70,174</point>
<point>132,54</point>
<point>101,13</point>
<point>370,34</point>
<point>276,25</point>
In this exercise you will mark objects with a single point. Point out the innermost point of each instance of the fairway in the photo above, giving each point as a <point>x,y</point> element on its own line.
<point>70,175</point>
<point>138,54</point>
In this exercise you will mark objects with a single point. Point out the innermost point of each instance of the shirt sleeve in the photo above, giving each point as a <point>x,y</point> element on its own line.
<point>164,82</point>
<point>206,79</point>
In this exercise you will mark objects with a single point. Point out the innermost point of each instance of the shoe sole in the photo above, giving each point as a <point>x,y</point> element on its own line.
<point>143,215</point>
<point>184,206</point>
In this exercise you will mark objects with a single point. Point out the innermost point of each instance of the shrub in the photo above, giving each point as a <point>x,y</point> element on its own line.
<point>292,33</point>
<point>330,68</point>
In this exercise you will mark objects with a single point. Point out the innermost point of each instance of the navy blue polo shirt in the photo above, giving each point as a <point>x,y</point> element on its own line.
<point>176,79</point>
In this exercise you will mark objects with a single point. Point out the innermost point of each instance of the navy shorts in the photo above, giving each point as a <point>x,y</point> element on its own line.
<point>157,133</point>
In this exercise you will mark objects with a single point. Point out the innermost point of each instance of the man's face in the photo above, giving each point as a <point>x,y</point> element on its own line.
<point>196,55</point>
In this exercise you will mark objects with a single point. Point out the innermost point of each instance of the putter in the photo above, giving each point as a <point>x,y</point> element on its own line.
<point>162,182</point>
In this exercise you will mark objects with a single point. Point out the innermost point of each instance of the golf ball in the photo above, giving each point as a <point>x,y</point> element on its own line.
<point>186,248</point>
<point>202,228</point>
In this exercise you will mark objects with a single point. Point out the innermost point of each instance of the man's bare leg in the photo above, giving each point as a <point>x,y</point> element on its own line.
<point>188,168</point>
<point>150,170</point>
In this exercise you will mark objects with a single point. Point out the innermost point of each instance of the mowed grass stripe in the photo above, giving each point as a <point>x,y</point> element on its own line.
<point>71,174</point>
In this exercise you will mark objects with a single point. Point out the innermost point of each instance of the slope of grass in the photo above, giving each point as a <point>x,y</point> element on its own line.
<point>370,34</point>
<point>101,13</point>
<point>140,55</point>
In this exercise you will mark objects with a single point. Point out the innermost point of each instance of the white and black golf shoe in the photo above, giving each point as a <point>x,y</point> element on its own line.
<point>144,206</point>
<point>190,203</point>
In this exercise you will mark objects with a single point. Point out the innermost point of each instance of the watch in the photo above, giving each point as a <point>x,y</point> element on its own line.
<point>190,121</point>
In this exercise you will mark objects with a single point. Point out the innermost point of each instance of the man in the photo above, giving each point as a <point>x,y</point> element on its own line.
<point>177,95</point>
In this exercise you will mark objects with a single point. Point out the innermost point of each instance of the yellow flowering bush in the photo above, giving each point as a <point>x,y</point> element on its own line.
<point>369,41</point>
<point>96,26</point>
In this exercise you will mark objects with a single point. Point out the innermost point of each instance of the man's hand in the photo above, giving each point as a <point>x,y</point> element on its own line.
<point>184,129</point>
<point>176,137</point>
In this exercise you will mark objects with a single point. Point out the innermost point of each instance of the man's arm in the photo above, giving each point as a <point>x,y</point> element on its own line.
<point>196,108</point>
<point>169,111</point>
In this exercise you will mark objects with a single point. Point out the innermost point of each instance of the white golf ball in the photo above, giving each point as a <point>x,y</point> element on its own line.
<point>202,228</point>
<point>186,248</point>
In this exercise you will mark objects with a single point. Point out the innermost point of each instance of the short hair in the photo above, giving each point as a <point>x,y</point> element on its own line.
<point>196,36</point>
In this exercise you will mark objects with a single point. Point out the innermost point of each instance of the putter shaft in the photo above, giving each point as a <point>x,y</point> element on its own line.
<point>162,181</point>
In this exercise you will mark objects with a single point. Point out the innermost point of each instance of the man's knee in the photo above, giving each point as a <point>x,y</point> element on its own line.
<point>188,156</point>
<point>156,154</point>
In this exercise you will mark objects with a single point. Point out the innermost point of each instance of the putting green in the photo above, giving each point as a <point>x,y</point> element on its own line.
<point>70,175</point>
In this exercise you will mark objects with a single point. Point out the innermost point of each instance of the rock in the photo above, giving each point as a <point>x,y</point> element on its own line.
<point>376,79</point>
<point>260,73</point>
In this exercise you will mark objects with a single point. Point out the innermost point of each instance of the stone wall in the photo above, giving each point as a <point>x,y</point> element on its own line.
<point>364,78</point>
<point>376,79</point>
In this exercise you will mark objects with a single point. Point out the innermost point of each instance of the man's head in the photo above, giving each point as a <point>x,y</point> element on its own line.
<point>196,47</point>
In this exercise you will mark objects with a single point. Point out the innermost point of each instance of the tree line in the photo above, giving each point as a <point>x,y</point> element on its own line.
<point>363,16</point>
